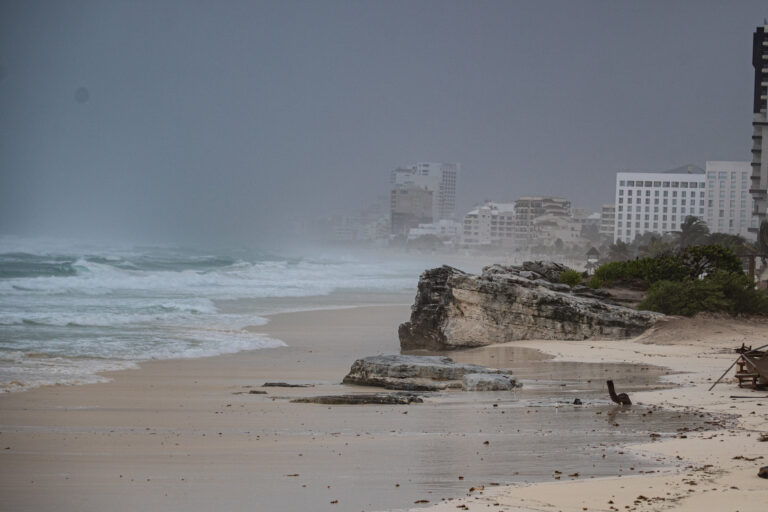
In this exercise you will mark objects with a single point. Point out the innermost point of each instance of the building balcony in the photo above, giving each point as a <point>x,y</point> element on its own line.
<point>758,191</point>
<point>755,177</point>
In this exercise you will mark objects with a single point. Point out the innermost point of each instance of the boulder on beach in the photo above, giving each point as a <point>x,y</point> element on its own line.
<point>415,373</point>
<point>454,309</point>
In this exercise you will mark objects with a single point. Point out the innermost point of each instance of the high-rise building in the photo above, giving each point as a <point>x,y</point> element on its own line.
<point>657,202</point>
<point>729,206</point>
<point>410,205</point>
<point>440,178</point>
<point>607,220</point>
<point>759,186</point>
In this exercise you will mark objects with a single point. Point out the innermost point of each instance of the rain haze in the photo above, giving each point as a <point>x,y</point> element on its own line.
<point>230,121</point>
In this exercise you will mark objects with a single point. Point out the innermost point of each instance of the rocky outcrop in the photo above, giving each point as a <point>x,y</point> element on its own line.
<point>416,373</point>
<point>454,309</point>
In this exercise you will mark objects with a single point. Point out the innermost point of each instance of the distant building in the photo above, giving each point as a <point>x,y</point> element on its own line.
<point>492,224</point>
<point>607,220</point>
<point>440,178</point>
<point>447,230</point>
<point>528,208</point>
<point>729,205</point>
<point>410,205</point>
<point>759,177</point>
<point>549,228</point>
<point>657,202</point>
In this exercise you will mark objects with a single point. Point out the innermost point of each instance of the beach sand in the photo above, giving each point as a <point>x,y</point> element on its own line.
<point>716,475</point>
<point>188,435</point>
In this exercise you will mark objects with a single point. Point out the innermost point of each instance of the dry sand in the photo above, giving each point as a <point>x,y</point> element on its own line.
<point>179,435</point>
<point>716,477</point>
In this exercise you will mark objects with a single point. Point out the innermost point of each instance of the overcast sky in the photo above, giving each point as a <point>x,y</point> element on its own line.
<point>184,119</point>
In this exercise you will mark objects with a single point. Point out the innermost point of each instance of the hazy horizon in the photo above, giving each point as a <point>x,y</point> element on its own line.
<point>225,122</point>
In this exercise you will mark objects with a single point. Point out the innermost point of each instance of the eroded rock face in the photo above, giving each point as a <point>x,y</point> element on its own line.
<point>454,309</point>
<point>415,373</point>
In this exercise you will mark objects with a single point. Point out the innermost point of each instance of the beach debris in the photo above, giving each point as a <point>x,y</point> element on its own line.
<point>621,398</point>
<point>753,366</point>
<point>453,309</point>
<point>362,399</point>
<point>424,373</point>
<point>285,385</point>
<point>577,401</point>
<point>421,501</point>
<point>763,472</point>
<point>250,392</point>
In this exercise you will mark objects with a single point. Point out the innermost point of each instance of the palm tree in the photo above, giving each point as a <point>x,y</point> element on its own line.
<point>693,231</point>
<point>737,243</point>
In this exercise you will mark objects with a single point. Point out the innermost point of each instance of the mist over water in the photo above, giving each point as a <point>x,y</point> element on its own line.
<point>68,310</point>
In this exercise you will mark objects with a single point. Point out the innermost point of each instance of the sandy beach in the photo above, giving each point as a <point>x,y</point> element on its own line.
<point>189,434</point>
<point>717,475</point>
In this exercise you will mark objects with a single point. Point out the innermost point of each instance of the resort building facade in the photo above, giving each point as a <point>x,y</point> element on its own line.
<point>657,202</point>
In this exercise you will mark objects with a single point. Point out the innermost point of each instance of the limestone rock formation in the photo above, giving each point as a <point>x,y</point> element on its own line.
<point>416,373</point>
<point>454,309</point>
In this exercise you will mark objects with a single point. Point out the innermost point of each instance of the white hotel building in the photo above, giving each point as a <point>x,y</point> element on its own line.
<point>657,201</point>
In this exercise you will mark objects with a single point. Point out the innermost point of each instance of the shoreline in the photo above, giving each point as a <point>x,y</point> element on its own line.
<point>69,440</point>
<point>715,475</point>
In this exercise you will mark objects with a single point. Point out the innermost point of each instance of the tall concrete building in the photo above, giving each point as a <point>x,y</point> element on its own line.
<point>657,202</point>
<point>410,205</point>
<point>440,178</point>
<point>729,206</point>
<point>759,186</point>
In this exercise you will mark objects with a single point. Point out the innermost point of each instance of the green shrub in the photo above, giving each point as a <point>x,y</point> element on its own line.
<point>722,291</point>
<point>689,263</point>
<point>595,283</point>
<point>570,277</point>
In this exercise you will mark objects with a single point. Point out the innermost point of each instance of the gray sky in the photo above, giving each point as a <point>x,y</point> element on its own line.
<point>218,119</point>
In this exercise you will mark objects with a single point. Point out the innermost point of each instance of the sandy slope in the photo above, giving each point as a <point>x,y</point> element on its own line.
<point>713,480</point>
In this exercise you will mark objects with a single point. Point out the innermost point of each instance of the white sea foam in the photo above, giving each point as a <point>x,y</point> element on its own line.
<point>80,309</point>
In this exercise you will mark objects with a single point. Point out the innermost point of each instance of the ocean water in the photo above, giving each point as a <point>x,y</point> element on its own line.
<point>69,310</point>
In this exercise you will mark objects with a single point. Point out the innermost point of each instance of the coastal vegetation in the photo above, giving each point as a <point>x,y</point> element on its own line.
<point>689,280</point>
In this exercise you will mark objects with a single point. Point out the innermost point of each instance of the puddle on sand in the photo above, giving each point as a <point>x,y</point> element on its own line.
<point>392,456</point>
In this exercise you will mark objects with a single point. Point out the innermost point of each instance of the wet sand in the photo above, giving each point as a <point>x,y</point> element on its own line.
<point>187,434</point>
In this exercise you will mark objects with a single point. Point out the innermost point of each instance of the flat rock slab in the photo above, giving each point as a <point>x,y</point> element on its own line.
<point>362,399</point>
<point>285,385</point>
<point>486,382</point>
<point>415,373</point>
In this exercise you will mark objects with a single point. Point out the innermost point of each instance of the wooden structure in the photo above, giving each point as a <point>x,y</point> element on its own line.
<point>752,367</point>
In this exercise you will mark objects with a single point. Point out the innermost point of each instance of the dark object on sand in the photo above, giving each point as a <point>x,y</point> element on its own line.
<point>362,399</point>
<point>763,473</point>
<point>621,398</point>
<point>577,401</point>
<point>285,385</point>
